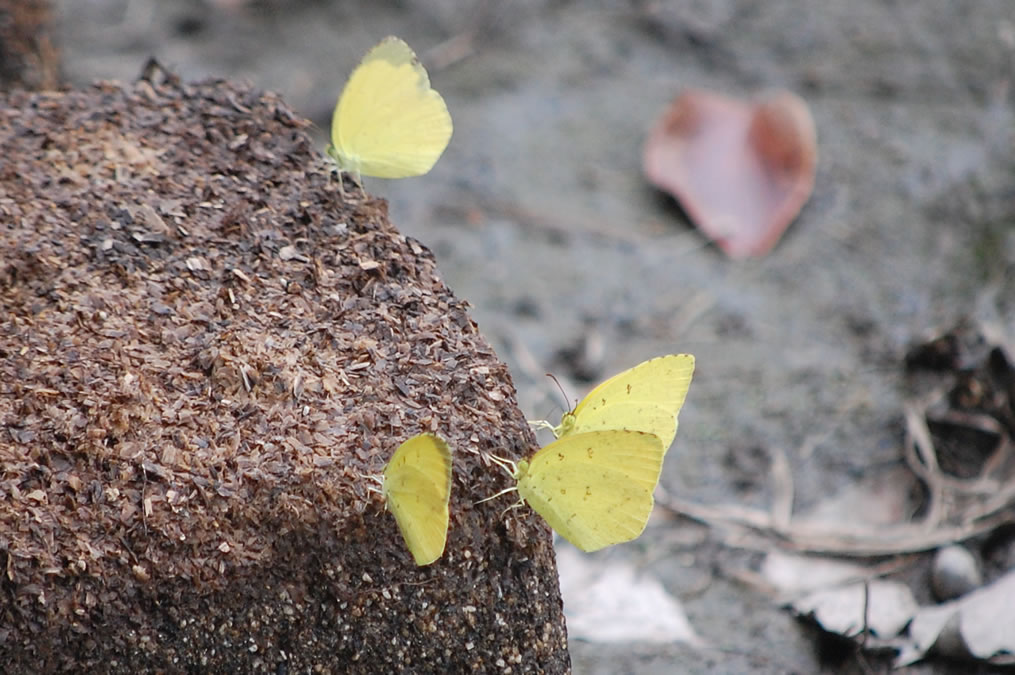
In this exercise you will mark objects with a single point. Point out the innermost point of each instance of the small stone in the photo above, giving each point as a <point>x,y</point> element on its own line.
<point>954,573</point>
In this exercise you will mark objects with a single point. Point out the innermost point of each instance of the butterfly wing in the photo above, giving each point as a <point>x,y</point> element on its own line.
<point>647,398</point>
<point>388,122</point>
<point>417,487</point>
<point>594,488</point>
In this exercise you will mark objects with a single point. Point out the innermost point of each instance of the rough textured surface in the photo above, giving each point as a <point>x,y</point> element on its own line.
<point>205,351</point>
<point>28,57</point>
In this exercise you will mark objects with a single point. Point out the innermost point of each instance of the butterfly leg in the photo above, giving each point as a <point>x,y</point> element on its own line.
<point>494,496</point>
<point>540,424</point>
<point>356,180</point>
<point>359,183</point>
<point>509,467</point>
<point>517,505</point>
<point>375,479</point>
<point>341,184</point>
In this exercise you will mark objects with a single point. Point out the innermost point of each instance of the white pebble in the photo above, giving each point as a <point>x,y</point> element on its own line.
<point>954,572</point>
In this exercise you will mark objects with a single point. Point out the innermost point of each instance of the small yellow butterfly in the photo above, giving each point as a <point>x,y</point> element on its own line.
<point>647,397</point>
<point>416,488</point>
<point>594,488</point>
<point>388,122</point>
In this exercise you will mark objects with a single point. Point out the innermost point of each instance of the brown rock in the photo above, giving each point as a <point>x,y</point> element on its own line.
<point>203,351</point>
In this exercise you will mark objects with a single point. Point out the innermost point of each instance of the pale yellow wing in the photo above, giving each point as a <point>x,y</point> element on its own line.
<point>388,122</point>
<point>594,488</point>
<point>647,397</point>
<point>417,487</point>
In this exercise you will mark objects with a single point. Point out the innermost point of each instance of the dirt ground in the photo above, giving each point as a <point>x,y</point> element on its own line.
<point>539,216</point>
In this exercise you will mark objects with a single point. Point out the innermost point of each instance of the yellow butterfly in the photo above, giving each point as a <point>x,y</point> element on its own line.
<point>647,397</point>
<point>416,488</point>
<point>594,488</point>
<point>388,122</point>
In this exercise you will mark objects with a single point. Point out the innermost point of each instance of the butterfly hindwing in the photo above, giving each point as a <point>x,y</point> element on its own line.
<point>388,122</point>
<point>417,488</point>
<point>594,488</point>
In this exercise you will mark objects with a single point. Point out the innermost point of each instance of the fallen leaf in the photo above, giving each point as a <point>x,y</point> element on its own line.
<point>612,602</point>
<point>980,624</point>
<point>741,171</point>
<point>884,608</point>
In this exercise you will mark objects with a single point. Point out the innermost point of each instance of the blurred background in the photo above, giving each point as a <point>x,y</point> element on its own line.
<point>540,217</point>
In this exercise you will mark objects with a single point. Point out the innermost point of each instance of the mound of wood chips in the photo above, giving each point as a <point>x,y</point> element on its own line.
<point>204,351</point>
<point>29,58</point>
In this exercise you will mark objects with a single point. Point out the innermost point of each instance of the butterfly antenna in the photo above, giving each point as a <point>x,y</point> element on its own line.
<point>543,424</point>
<point>562,393</point>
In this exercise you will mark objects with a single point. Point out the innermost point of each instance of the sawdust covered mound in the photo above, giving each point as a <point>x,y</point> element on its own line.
<point>204,350</point>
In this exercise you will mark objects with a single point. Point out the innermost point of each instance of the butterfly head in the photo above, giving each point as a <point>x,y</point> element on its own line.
<point>566,426</point>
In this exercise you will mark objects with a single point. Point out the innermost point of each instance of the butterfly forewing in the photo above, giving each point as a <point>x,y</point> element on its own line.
<point>388,122</point>
<point>647,397</point>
